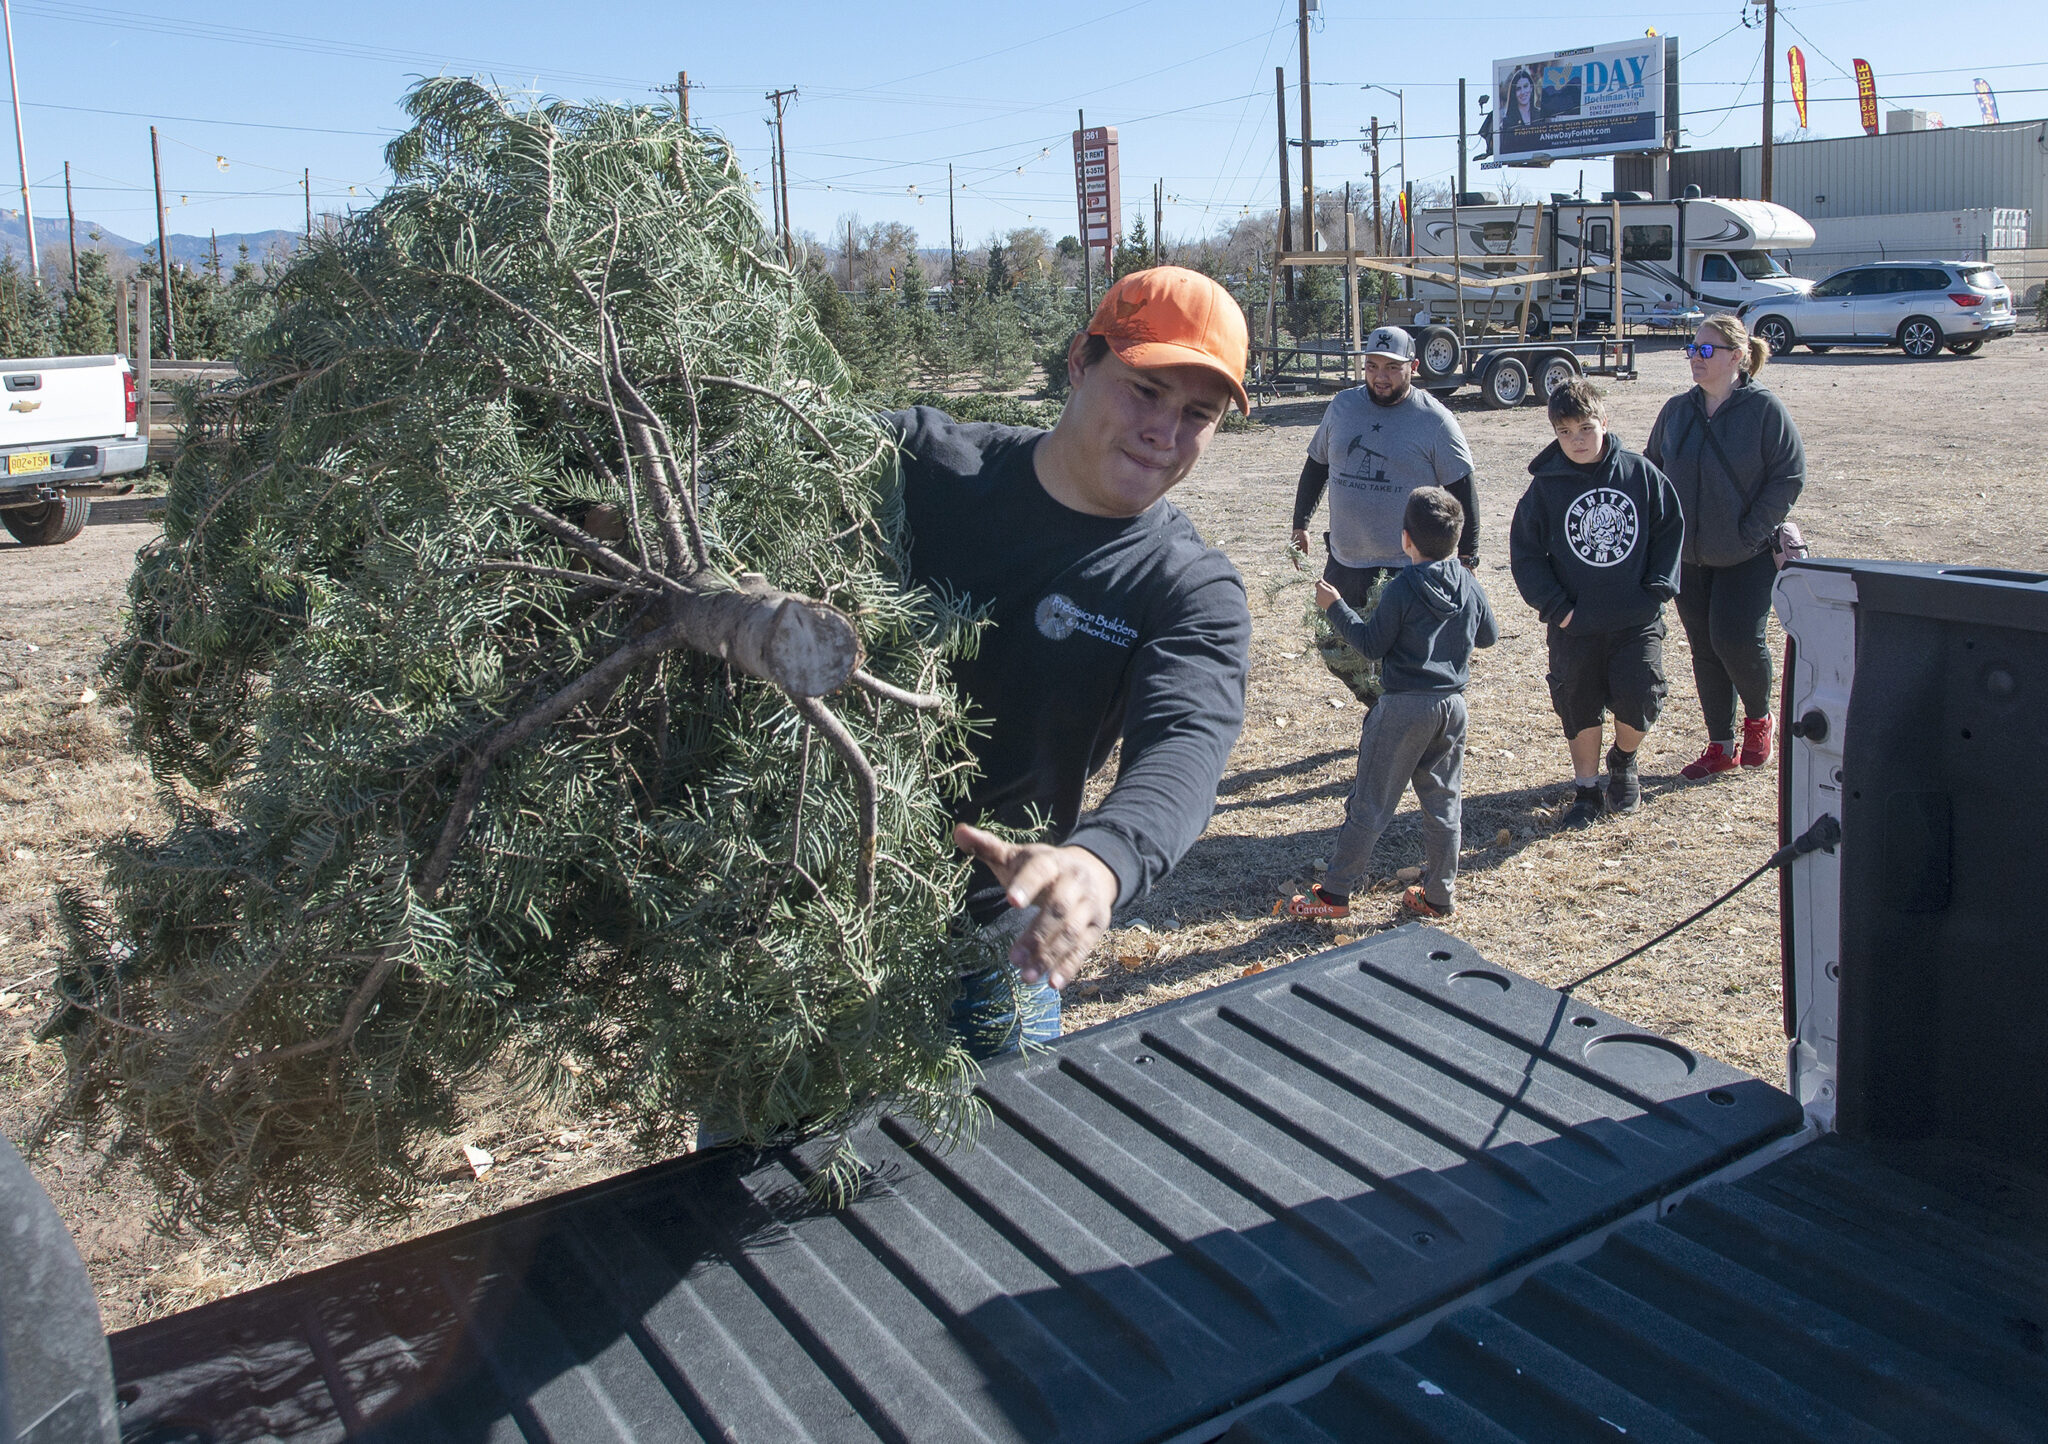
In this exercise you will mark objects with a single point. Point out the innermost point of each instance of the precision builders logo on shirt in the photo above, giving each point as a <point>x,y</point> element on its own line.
<point>1058,619</point>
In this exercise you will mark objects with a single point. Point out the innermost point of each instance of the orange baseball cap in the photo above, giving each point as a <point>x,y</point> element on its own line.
<point>1171,316</point>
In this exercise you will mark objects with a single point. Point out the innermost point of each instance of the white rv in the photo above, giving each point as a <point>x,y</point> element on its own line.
<point>1678,256</point>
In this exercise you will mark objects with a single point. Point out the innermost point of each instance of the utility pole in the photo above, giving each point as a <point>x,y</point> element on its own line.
<point>163,249</point>
<point>1286,187</point>
<point>683,95</point>
<point>952,237</point>
<point>1158,219</point>
<point>213,247</point>
<point>1461,138</point>
<point>307,182</point>
<point>849,255</point>
<point>1308,161</point>
<point>781,98</point>
<point>71,220</point>
<point>1770,94</point>
<point>28,210</point>
<point>1379,235</point>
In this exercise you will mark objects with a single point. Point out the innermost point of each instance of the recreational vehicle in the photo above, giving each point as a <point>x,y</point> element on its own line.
<point>1677,257</point>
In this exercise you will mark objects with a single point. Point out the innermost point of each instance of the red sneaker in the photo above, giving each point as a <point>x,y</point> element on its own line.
<point>1756,741</point>
<point>1716,758</point>
<point>1316,903</point>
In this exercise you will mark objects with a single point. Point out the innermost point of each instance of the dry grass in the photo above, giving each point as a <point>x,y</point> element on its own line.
<point>1935,460</point>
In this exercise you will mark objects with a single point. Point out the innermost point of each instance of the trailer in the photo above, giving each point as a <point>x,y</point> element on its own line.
<point>1696,254</point>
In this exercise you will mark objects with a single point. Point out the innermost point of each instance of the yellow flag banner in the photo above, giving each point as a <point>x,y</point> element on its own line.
<point>1866,96</point>
<point>1798,63</point>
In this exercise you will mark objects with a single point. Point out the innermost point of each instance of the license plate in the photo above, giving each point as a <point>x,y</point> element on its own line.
<point>23,462</point>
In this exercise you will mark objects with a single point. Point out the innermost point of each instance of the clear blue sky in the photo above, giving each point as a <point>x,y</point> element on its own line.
<point>891,91</point>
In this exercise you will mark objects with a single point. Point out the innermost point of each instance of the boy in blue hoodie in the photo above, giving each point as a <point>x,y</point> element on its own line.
<point>1594,549</point>
<point>1429,618</point>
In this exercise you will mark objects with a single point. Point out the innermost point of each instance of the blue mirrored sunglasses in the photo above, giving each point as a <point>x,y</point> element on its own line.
<point>1702,349</point>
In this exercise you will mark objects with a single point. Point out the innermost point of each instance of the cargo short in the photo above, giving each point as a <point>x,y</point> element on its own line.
<point>1593,673</point>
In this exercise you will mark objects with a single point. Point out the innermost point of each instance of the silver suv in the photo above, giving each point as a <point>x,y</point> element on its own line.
<point>1918,306</point>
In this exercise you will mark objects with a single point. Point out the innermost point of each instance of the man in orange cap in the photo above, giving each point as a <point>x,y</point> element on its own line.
<point>1112,622</point>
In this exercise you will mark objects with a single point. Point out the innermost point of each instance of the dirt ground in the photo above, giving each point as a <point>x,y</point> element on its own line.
<point>1934,460</point>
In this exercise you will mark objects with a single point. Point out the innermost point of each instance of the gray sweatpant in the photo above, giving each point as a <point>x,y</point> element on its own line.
<point>1416,737</point>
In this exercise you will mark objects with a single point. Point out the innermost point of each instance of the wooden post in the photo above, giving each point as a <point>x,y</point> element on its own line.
<point>683,95</point>
<point>952,244</point>
<point>163,250</point>
<point>1081,204</point>
<point>1614,242</point>
<point>1763,174</point>
<point>124,336</point>
<point>1286,187</point>
<point>1458,267</point>
<point>307,182</point>
<point>141,356</point>
<point>1579,281</point>
<point>1351,284</point>
<point>1527,286</point>
<point>1408,225</point>
<point>1158,220</point>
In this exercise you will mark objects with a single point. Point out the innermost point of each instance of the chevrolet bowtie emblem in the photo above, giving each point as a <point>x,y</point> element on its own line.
<point>25,406</point>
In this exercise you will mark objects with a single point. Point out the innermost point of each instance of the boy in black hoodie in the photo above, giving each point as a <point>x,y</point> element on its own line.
<point>1429,618</point>
<point>1594,549</point>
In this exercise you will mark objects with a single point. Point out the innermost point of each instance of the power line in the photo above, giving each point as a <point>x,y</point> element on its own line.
<point>204,120</point>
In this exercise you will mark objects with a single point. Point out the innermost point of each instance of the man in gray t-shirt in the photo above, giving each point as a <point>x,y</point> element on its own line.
<point>1378,442</point>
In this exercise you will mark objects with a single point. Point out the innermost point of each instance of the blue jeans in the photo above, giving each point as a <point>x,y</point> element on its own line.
<point>986,1014</point>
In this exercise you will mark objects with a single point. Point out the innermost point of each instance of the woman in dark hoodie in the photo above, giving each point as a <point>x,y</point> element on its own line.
<point>1734,456</point>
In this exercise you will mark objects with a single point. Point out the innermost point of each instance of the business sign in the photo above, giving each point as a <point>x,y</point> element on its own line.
<point>1798,64</point>
<point>1987,102</point>
<point>1594,101</point>
<point>1098,190</point>
<point>1866,96</point>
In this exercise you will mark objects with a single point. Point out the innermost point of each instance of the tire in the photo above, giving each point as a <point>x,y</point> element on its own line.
<point>1536,325</point>
<point>1505,384</point>
<point>1776,333</point>
<point>1820,350</point>
<point>1965,348</point>
<point>1439,352</point>
<point>1556,372</point>
<point>1920,337</point>
<point>51,524</point>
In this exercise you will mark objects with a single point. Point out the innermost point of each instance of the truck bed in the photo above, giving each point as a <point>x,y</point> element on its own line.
<point>1167,1219</point>
<point>1850,1291</point>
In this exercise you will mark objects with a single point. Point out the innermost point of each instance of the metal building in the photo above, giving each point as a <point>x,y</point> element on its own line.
<point>1899,173</point>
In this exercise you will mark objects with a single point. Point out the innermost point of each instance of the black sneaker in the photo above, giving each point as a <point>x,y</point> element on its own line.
<point>1624,789</point>
<point>1584,809</point>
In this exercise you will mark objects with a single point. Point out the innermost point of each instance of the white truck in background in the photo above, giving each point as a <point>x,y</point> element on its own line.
<point>69,428</point>
<point>1693,254</point>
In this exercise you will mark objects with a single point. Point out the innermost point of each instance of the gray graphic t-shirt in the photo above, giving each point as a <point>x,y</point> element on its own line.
<point>1377,455</point>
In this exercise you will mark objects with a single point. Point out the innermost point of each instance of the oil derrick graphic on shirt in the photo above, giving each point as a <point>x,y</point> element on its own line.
<point>1364,466</point>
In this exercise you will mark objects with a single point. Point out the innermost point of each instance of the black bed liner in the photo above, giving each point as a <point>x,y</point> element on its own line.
<point>1849,1291</point>
<point>1168,1217</point>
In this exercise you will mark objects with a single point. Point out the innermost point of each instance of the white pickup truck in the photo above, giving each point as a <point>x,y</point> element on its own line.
<point>69,425</point>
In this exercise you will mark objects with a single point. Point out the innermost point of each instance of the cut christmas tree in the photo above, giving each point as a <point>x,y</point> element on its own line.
<point>528,666</point>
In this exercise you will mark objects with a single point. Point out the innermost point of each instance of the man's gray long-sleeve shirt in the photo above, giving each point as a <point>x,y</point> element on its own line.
<point>1104,629</point>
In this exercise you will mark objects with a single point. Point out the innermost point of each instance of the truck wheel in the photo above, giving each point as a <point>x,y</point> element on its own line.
<point>1776,333</point>
<point>1965,348</point>
<point>1505,384</point>
<point>1536,325</point>
<point>51,524</point>
<point>1920,338</point>
<point>1437,350</point>
<point>1558,371</point>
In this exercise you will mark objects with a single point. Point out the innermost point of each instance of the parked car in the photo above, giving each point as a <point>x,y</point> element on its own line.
<point>69,425</point>
<point>1918,306</point>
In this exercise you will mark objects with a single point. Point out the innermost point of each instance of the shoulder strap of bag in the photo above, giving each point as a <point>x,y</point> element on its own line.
<point>1721,456</point>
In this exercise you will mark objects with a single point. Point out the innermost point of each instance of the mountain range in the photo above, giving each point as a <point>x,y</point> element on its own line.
<point>52,241</point>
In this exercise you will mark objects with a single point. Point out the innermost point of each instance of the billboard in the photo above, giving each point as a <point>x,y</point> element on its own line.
<point>1098,188</point>
<point>1593,101</point>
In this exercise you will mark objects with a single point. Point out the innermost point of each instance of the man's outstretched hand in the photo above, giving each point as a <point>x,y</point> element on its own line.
<point>1072,889</point>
